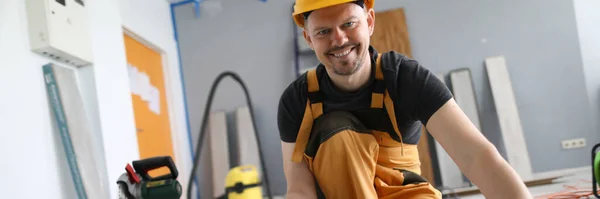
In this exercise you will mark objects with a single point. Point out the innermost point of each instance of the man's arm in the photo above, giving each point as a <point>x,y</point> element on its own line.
<point>476,157</point>
<point>300,181</point>
<point>433,104</point>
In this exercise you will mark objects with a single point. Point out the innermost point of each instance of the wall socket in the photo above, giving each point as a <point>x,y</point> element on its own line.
<point>573,144</point>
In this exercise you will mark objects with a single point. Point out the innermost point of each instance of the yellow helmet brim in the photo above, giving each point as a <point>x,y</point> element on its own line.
<point>302,6</point>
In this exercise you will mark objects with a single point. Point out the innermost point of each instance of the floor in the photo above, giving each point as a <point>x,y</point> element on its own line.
<point>579,180</point>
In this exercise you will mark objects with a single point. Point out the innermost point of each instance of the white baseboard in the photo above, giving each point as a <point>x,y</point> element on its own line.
<point>535,176</point>
<point>562,172</point>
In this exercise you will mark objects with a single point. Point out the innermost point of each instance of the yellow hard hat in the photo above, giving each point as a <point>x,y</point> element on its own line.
<point>302,6</point>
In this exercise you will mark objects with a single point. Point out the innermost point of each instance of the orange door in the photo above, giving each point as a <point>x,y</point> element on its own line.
<point>149,101</point>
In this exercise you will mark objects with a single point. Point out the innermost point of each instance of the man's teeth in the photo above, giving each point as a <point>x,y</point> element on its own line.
<point>342,53</point>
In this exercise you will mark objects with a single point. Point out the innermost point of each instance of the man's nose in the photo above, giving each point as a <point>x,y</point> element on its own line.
<point>339,37</point>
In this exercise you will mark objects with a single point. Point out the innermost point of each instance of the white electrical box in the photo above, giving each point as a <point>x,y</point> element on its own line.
<point>58,29</point>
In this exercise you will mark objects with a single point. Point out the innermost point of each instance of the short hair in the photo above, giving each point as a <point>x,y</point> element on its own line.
<point>360,3</point>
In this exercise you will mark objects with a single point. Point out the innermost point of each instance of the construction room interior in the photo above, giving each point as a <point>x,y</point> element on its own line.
<point>187,98</point>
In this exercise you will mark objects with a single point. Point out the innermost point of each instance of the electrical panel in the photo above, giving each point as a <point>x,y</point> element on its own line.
<point>59,29</point>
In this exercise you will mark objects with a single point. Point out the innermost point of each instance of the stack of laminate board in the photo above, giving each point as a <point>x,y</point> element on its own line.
<point>504,100</point>
<point>219,151</point>
<point>247,148</point>
<point>464,94</point>
<point>508,116</point>
<point>73,127</point>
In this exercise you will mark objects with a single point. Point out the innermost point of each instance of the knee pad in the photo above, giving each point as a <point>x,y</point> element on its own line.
<point>328,125</point>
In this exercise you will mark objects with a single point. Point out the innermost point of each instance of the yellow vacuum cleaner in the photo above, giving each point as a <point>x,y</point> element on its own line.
<point>243,182</point>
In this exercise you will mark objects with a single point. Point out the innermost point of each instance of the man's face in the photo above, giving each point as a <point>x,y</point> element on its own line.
<point>340,36</point>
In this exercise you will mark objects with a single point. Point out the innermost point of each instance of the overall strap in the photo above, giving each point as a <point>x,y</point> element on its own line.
<point>389,106</point>
<point>314,96</point>
<point>314,109</point>
<point>379,90</point>
<point>381,96</point>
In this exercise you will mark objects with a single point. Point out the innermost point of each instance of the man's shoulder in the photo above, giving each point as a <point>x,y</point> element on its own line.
<point>419,90</point>
<point>293,98</point>
<point>402,72</point>
<point>394,62</point>
<point>291,108</point>
<point>296,89</point>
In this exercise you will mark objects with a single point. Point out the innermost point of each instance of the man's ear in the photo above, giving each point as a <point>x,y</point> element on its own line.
<point>371,20</point>
<point>307,38</point>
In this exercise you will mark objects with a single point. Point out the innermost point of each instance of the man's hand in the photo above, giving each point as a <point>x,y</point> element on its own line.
<point>300,181</point>
<point>476,157</point>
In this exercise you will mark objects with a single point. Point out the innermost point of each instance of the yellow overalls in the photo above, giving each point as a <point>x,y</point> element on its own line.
<point>350,161</point>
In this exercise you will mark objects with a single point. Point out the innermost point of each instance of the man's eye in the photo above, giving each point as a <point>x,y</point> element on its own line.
<point>348,24</point>
<point>322,32</point>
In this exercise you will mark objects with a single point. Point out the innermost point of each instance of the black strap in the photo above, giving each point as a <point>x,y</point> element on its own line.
<point>240,187</point>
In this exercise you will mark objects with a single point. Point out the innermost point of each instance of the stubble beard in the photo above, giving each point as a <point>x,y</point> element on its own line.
<point>340,69</point>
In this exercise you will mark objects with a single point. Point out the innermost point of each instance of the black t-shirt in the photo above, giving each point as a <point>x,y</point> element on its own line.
<point>415,91</point>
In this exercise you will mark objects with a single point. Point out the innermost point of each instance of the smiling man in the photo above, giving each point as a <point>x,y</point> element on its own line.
<point>350,127</point>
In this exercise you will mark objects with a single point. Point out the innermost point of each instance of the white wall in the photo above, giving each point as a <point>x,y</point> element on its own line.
<point>588,18</point>
<point>25,122</point>
<point>31,155</point>
<point>114,98</point>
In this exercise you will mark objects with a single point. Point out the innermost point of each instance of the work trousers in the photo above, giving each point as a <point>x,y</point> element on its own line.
<point>350,161</point>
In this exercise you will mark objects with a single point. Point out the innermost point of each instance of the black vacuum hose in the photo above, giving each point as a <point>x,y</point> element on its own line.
<point>203,126</point>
